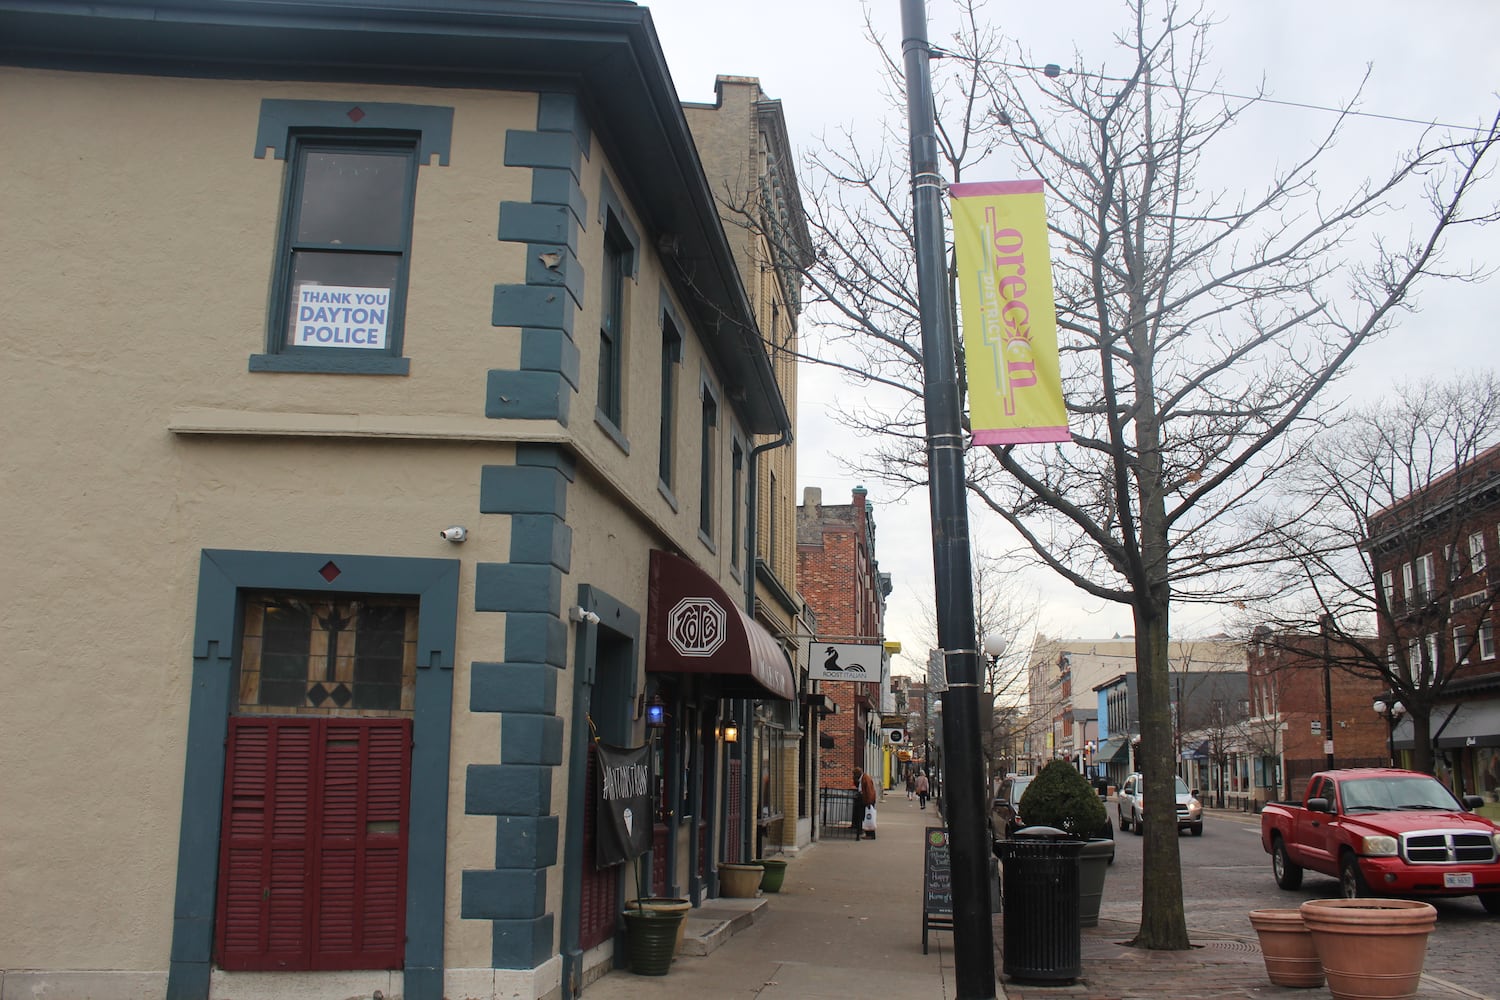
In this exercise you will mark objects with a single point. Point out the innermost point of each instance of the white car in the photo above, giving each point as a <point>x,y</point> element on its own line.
<point>1130,809</point>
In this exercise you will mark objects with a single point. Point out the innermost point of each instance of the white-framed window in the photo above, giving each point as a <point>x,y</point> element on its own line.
<point>1460,644</point>
<point>1426,577</point>
<point>1408,584</point>
<point>1476,552</point>
<point>1388,587</point>
<point>1487,640</point>
<point>1430,663</point>
<point>1455,565</point>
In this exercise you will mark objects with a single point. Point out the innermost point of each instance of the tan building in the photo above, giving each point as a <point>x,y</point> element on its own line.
<point>383,376</point>
<point>751,167</point>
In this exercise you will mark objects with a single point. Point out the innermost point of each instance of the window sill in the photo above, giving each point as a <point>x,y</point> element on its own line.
<point>353,364</point>
<point>667,494</point>
<point>602,421</point>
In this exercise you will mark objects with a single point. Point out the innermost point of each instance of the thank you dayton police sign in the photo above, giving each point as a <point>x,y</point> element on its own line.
<point>845,661</point>
<point>623,804</point>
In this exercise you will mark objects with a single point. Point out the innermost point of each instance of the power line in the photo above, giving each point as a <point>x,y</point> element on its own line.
<point>1053,70</point>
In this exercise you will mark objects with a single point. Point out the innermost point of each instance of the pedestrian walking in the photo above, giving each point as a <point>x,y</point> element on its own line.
<point>864,801</point>
<point>922,788</point>
<point>911,785</point>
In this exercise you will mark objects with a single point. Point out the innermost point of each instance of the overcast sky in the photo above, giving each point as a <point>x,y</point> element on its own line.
<point>1430,62</point>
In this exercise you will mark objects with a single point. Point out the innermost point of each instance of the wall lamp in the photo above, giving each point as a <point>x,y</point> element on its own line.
<point>731,732</point>
<point>656,713</point>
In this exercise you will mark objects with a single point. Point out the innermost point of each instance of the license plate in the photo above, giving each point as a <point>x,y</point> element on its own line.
<point>1458,880</point>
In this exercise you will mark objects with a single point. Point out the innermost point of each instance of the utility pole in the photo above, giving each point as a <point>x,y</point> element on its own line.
<point>968,838</point>
<point>1323,624</point>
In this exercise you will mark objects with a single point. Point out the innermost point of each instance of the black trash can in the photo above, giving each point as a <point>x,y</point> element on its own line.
<point>1041,939</point>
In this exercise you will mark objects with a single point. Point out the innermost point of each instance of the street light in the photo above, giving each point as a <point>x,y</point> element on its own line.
<point>1390,712</point>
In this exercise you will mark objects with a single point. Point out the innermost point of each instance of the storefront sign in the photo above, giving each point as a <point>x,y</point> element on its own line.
<point>340,316</point>
<point>623,804</point>
<point>845,661</point>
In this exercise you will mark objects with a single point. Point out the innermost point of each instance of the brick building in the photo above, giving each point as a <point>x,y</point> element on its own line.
<point>1289,730</point>
<point>840,580</point>
<point>1435,559</point>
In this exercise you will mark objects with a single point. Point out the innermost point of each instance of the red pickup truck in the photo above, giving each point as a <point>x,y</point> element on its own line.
<point>1382,831</point>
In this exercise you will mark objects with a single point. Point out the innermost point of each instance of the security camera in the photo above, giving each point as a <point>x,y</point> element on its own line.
<point>457,533</point>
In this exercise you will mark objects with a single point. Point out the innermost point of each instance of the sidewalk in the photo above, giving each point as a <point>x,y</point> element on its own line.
<point>848,922</point>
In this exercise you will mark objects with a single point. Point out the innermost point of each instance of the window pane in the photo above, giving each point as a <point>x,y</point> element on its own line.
<point>379,653</point>
<point>285,647</point>
<point>360,310</point>
<point>353,198</point>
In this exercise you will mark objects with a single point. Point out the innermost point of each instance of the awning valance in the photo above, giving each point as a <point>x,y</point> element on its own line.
<point>1475,723</point>
<point>693,627</point>
<point>1111,750</point>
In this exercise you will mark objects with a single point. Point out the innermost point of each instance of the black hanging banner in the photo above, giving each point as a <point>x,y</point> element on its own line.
<point>623,805</point>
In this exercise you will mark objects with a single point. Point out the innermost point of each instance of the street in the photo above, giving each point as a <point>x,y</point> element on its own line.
<point>1225,875</point>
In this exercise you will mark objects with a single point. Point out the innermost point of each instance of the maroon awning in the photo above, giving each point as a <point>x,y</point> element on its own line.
<point>693,627</point>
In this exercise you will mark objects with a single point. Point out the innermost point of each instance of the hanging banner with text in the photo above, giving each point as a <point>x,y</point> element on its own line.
<point>623,804</point>
<point>1009,322</point>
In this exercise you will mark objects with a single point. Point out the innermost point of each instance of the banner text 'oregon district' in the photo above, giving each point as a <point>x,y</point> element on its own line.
<point>1009,323</point>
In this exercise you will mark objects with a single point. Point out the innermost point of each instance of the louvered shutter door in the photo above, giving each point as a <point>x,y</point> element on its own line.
<point>599,909</point>
<point>361,899</point>
<point>313,869</point>
<point>263,871</point>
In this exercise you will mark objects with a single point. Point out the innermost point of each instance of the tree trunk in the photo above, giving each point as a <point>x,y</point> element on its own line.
<point>1163,922</point>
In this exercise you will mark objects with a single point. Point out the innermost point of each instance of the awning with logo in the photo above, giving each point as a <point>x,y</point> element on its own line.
<point>1473,723</point>
<point>694,627</point>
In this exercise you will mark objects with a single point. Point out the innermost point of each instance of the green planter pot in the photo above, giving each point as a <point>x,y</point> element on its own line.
<point>667,904</point>
<point>651,940</point>
<point>1093,865</point>
<point>775,874</point>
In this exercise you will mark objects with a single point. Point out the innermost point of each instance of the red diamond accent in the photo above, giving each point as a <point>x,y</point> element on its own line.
<point>355,114</point>
<point>330,572</point>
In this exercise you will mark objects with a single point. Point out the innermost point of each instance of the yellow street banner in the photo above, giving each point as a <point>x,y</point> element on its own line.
<point>1009,323</point>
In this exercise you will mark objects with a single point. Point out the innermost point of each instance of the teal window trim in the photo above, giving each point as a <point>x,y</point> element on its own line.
<point>708,459</point>
<point>288,129</point>
<point>671,358</point>
<point>223,576</point>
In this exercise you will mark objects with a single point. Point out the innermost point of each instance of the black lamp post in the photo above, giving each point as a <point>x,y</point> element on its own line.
<point>1324,623</point>
<point>1390,711</point>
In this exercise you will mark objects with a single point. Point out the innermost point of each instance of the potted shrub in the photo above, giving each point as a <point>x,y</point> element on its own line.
<point>1062,798</point>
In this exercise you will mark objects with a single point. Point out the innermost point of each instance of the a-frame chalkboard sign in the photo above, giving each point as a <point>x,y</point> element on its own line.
<point>937,883</point>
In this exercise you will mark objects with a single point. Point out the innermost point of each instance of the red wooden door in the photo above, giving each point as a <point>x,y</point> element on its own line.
<point>600,904</point>
<point>312,871</point>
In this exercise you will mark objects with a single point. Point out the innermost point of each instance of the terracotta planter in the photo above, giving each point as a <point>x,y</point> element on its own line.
<point>665,904</point>
<point>1370,948</point>
<point>1287,947</point>
<point>739,881</point>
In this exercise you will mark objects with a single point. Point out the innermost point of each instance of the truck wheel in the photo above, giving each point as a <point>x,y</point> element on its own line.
<point>1288,875</point>
<point>1490,901</point>
<point>1138,824</point>
<point>1351,882</point>
<point>1124,826</point>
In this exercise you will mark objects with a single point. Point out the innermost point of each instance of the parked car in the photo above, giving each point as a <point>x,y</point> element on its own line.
<point>1385,831</point>
<point>1129,808</point>
<point>1008,802</point>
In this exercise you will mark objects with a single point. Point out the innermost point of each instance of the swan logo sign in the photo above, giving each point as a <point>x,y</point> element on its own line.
<point>845,661</point>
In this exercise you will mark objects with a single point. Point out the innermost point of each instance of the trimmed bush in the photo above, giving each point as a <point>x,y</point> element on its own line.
<point>1061,797</point>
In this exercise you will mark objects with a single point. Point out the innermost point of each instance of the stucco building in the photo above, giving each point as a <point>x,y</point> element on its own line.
<point>395,395</point>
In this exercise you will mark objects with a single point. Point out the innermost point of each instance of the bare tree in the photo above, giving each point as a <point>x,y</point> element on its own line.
<point>1397,485</point>
<point>1199,327</point>
<point>1001,608</point>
